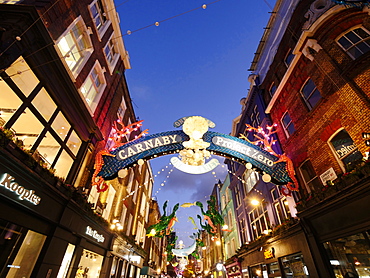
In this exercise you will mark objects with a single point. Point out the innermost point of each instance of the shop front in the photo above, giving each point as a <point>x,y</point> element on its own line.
<point>127,263</point>
<point>286,255</point>
<point>45,233</point>
<point>339,232</point>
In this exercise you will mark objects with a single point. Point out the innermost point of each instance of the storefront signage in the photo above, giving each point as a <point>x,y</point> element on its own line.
<point>242,148</point>
<point>94,234</point>
<point>147,145</point>
<point>328,175</point>
<point>269,253</point>
<point>7,181</point>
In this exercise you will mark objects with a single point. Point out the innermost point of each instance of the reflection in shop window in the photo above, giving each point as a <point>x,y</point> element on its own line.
<point>294,266</point>
<point>350,255</point>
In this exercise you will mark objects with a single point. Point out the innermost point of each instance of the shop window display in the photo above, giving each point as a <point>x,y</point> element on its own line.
<point>31,114</point>
<point>350,256</point>
<point>89,265</point>
<point>20,249</point>
<point>63,270</point>
<point>294,266</point>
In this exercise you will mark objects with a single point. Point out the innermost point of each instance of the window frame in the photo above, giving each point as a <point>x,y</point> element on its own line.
<point>102,11</point>
<point>99,90</point>
<point>272,92</point>
<point>339,160</point>
<point>289,57</point>
<point>115,55</point>
<point>286,130</point>
<point>346,50</point>
<point>310,105</point>
<point>87,51</point>
<point>311,181</point>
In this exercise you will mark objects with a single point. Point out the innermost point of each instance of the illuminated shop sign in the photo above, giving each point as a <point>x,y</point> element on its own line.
<point>269,253</point>
<point>94,234</point>
<point>7,181</point>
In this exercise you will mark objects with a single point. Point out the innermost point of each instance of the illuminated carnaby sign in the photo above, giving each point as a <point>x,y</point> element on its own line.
<point>94,234</point>
<point>8,182</point>
<point>171,142</point>
<point>148,145</point>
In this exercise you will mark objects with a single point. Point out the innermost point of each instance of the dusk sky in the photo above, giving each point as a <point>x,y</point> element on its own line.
<point>195,63</point>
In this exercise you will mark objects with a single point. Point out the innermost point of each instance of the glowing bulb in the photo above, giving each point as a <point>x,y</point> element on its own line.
<point>255,202</point>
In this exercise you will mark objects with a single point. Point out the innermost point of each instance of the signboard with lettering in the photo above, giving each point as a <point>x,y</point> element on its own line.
<point>8,182</point>
<point>171,142</point>
<point>94,234</point>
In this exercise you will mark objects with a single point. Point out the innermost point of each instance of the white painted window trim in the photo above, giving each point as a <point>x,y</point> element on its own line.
<point>103,82</point>
<point>105,26</point>
<point>347,31</point>
<point>87,53</point>
<point>111,66</point>
<point>340,162</point>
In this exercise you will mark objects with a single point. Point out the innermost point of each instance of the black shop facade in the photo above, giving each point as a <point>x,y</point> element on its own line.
<point>44,230</point>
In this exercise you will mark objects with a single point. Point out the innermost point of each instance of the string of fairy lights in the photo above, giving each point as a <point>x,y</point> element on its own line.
<point>128,32</point>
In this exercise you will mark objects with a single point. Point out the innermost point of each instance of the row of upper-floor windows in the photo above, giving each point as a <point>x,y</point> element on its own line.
<point>263,216</point>
<point>354,42</point>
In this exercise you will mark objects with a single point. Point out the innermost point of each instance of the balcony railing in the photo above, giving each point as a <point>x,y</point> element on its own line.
<point>357,176</point>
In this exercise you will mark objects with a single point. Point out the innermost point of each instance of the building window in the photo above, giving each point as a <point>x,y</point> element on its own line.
<point>310,94</point>
<point>93,87</point>
<point>11,1</point>
<point>294,266</point>
<point>310,179</point>
<point>250,178</point>
<point>255,117</point>
<point>259,220</point>
<point>287,124</point>
<point>99,17</point>
<point>289,58</point>
<point>355,42</point>
<point>349,256</point>
<point>272,89</point>
<point>111,54</point>
<point>237,196</point>
<point>274,194</point>
<point>345,149</point>
<point>75,46</point>
<point>37,123</point>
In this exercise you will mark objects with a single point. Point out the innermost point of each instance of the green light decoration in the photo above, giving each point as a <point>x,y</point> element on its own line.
<point>211,216</point>
<point>165,224</point>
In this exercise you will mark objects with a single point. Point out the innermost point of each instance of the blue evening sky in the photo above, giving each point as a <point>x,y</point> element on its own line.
<point>195,64</point>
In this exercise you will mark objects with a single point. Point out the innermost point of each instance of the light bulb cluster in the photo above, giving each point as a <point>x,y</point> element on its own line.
<point>89,255</point>
<point>116,225</point>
